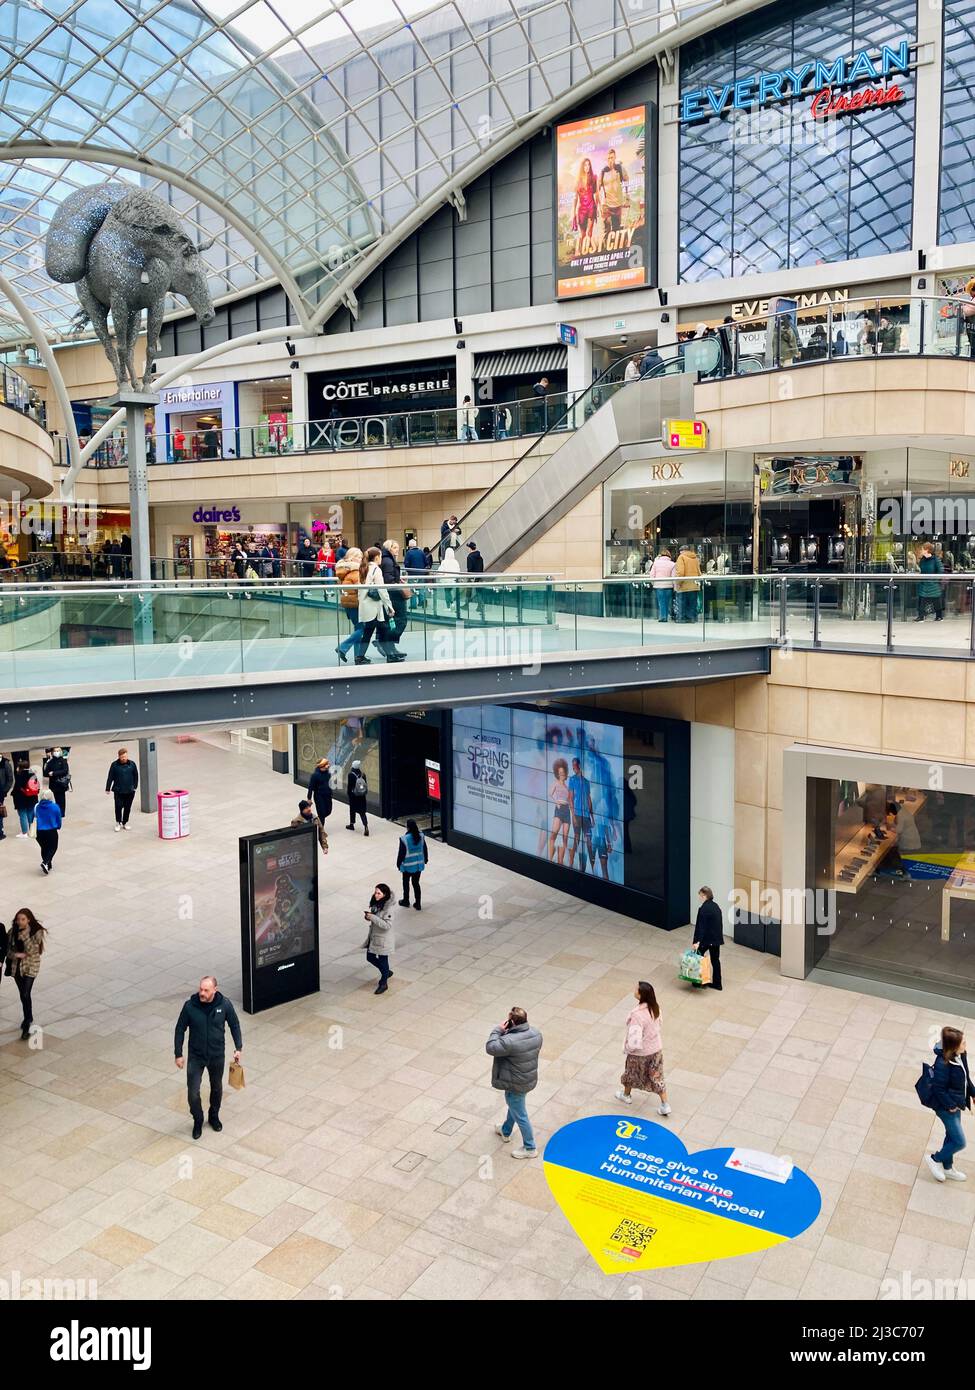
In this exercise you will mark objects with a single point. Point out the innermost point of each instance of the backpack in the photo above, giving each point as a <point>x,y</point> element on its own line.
<point>33,787</point>
<point>359,787</point>
<point>924,1085</point>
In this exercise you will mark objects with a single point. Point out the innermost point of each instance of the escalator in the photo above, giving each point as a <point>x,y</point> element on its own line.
<point>608,424</point>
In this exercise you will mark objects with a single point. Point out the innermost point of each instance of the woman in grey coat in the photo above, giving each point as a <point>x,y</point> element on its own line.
<point>379,943</point>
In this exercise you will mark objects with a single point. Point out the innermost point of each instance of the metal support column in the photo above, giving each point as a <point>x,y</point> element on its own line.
<point>134,404</point>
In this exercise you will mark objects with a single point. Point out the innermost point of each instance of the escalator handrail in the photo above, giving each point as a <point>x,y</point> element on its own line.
<point>605,378</point>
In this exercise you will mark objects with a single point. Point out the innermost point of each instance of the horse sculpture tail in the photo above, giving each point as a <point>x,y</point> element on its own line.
<point>73,227</point>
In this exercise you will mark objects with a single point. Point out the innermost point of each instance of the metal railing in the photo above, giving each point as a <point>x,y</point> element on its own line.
<point>482,423</point>
<point>159,631</point>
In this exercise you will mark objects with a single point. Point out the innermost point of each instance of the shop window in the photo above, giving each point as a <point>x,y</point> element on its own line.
<point>342,741</point>
<point>897,865</point>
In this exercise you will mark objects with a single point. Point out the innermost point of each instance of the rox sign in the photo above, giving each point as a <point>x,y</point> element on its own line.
<point>824,77</point>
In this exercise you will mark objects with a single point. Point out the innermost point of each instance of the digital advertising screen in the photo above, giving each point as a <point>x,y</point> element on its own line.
<point>279,915</point>
<point>543,784</point>
<point>602,218</point>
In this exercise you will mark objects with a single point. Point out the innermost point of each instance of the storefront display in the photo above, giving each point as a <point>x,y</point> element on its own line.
<point>342,741</point>
<point>898,862</point>
<point>362,407</point>
<point>197,422</point>
<point>264,410</point>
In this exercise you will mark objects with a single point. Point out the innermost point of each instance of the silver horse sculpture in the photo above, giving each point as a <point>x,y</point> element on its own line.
<point>125,250</point>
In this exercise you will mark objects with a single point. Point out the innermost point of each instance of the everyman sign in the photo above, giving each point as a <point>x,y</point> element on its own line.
<point>825,78</point>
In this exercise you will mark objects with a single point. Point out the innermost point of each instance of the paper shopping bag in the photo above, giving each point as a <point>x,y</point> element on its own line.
<point>235,1076</point>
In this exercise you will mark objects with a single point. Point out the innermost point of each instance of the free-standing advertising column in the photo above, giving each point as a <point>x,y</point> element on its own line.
<point>279,916</point>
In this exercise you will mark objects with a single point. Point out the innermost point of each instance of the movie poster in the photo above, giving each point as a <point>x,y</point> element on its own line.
<point>602,234</point>
<point>284,899</point>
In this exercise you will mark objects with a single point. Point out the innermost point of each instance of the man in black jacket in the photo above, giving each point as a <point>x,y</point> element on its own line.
<point>709,933</point>
<point>206,1014</point>
<point>123,780</point>
<point>6,785</point>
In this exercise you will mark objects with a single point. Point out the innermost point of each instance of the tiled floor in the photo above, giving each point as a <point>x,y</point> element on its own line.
<point>360,1160</point>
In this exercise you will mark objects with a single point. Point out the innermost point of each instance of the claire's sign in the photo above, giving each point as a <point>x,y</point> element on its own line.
<point>826,78</point>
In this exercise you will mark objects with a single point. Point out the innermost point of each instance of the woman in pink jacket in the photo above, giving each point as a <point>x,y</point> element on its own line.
<point>644,1050</point>
<point>662,574</point>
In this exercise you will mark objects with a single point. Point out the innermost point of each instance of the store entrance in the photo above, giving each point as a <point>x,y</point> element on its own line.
<point>412,742</point>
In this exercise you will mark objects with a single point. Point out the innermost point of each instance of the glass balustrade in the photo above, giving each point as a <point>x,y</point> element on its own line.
<point>85,635</point>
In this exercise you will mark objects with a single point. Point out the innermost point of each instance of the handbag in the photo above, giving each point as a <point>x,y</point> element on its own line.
<point>373,594</point>
<point>634,1038</point>
<point>3,810</point>
<point>235,1076</point>
<point>924,1085</point>
<point>707,974</point>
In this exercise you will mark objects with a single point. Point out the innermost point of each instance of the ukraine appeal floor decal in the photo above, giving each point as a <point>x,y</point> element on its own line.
<point>637,1199</point>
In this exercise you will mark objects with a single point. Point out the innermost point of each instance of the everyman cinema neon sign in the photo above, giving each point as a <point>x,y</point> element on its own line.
<point>824,78</point>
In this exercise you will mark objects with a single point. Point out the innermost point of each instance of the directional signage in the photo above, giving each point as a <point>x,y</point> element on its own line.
<point>684,434</point>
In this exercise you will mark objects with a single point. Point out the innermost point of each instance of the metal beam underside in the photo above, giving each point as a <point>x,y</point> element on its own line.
<point>29,719</point>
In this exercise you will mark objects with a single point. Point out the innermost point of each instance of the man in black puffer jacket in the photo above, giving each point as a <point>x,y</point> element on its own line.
<point>123,780</point>
<point>515,1048</point>
<point>206,1014</point>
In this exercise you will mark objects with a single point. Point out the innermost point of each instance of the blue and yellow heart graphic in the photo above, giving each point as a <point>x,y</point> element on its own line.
<point>637,1199</point>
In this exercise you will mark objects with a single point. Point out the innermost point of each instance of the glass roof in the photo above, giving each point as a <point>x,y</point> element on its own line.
<point>298,133</point>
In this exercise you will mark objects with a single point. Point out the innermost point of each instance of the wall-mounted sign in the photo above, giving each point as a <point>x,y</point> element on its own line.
<point>959,468</point>
<point>385,391</point>
<point>811,299</point>
<point>433,779</point>
<point>683,434</point>
<point>210,516</point>
<point>824,77</point>
<point>568,334</point>
<point>213,394</point>
<point>602,229</point>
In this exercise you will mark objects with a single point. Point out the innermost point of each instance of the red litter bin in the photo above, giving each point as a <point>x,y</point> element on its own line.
<point>174,815</point>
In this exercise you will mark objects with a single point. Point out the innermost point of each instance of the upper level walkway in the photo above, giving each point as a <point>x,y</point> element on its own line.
<point>89,658</point>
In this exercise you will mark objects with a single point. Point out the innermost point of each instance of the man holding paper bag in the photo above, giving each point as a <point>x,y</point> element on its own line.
<point>206,1014</point>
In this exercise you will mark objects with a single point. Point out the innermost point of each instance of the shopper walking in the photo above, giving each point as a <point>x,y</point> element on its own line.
<point>399,596</point>
<point>25,946</point>
<point>643,1046</point>
<point>306,816</point>
<point>26,790</point>
<point>951,1095</point>
<point>55,768</point>
<point>320,789</point>
<point>380,941</point>
<point>662,575</point>
<point>709,933</point>
<point>48,821</point>
<point>347,573</point>
<point>375,610</point>
<point>515,1048</point>
<point>412,858</point>
<point>206,1014</point>
<point>357,790</point>
<point>468,421</point>
<point>6,787</point>
<point>123,781</point>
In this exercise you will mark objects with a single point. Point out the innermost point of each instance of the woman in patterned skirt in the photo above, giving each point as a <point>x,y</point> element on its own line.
<point>644,1070</point>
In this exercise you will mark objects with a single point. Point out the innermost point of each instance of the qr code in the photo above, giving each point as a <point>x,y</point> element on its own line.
<point>633,1235</point>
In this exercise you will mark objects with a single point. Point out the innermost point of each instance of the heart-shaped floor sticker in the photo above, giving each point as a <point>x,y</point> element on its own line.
<point>637,1199</point>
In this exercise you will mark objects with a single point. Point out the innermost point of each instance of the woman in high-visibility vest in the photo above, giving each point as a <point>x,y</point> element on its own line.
<point>411,859</point>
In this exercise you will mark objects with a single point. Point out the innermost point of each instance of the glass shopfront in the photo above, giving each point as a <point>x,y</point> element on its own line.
<point>196,422</point>
<point>342,741</point>
<point>264,412</point>
<point>897,864</point>
<point>772,174</point>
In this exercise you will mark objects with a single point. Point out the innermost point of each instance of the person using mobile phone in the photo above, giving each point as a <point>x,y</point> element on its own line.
<point>515,1048</point>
